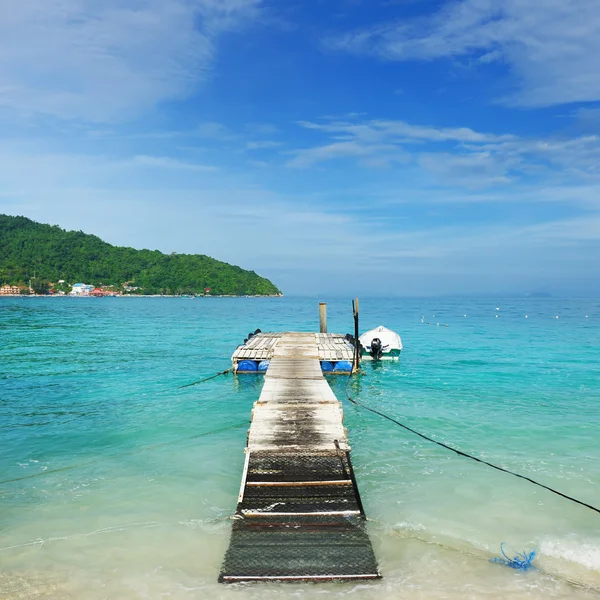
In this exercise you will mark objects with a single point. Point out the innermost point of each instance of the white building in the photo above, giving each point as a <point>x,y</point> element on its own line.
<point>81,289</point>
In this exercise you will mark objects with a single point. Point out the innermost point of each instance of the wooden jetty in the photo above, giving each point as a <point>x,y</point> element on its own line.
<point>299,514</point>
<point>331,347</point>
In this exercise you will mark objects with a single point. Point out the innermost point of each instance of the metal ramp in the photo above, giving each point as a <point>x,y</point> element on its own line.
<point>299,514</point>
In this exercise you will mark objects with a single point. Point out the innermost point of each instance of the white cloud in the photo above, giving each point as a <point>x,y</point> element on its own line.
<point>584,197</point>
<point>262,145</point>
<point>378,129</point>
<point>461,134</point>
<point>473,170</point>
<point>261,164</point>
<point>559,157</point>
<point>106,60</point>
<point>551,47</point>
<point>214,131</point>
<point>166,162</point>
<point>309,156</point>
<point>380,142</point>
<point>262,129</point>
<point>373,154</point>
<point>456,155</point>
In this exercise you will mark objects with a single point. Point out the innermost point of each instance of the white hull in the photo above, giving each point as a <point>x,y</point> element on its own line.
<point>366,356</point>
<point>391,342</point>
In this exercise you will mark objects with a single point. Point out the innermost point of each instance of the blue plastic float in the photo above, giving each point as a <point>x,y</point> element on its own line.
<point>326,366</point>
<point>263,365</point>
<point>343,366</point>
<point>247,366</point>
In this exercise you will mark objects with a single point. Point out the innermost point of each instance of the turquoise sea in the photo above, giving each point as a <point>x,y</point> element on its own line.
<point>116,484</point>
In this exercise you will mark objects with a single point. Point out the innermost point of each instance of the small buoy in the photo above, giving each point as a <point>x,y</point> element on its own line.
<point>527,316</point>
<point>464,315</point>
<point>326,366</point>
<point>586,316</point>
<point>557,316</point>
<point>246,366</point>
<point>496,316</point>
<point>263,365</point>
<point>497,308</point>
<point>343,366</point>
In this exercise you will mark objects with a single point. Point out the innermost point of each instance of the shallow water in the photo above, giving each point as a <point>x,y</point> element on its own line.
<point>124,483</point>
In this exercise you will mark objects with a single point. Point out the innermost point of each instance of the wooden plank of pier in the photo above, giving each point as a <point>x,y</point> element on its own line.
<point>299,514</point>
<point>331,347</point>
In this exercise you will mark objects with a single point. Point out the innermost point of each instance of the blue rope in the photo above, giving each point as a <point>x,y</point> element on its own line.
<point>521,561</point>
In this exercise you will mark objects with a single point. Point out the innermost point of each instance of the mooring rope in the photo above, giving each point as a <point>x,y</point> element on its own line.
<point>205,379</point>
<point>465,454</point>
<point>129,452</point>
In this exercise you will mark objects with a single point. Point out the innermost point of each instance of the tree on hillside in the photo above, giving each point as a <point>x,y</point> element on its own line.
<point>53,254</point>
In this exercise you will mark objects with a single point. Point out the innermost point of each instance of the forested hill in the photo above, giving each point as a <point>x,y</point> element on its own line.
<point>49,253</point>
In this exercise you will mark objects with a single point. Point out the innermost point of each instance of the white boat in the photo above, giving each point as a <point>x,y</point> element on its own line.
<point>380,344</point>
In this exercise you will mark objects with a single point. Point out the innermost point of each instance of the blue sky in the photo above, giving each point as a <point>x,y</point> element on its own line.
<point>408,147</point>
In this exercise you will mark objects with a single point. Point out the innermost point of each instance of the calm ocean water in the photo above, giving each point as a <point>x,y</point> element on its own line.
<point>137,478</point>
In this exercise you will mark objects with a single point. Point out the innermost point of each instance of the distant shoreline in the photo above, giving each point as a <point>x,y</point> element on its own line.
<point>183,297</point>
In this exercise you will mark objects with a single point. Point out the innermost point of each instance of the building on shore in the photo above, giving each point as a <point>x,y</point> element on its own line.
<point>10,290</point>
<point>81,289</point>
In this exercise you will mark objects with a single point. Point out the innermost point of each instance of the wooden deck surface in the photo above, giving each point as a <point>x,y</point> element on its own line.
<point>299,513</point>
<point>324,346</point>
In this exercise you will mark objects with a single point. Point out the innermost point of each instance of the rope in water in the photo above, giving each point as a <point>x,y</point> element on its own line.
<point>205,379</point>
<point>466,455</point>
<point>121,454</point>
<point>154,446</point>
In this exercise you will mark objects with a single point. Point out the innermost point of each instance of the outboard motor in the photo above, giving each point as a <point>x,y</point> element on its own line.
<point>376,348</point>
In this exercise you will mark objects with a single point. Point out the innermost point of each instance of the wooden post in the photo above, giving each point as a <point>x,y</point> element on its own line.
<point>356,333</point>
<point>322,317</point>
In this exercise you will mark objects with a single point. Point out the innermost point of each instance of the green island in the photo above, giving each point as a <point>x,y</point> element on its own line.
<point>41,259</point>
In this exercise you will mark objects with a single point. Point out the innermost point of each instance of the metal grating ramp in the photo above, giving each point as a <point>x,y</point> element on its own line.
<point>299,514</point>
<point>299,548</point>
